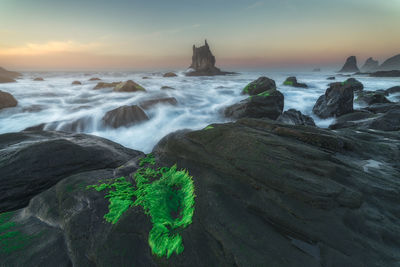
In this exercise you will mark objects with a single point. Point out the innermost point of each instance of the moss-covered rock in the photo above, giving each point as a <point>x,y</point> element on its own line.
<point>292,81</point>
<point>129,86</point>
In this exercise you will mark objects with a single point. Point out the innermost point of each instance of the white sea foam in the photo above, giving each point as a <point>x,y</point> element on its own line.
<point>200,99</point>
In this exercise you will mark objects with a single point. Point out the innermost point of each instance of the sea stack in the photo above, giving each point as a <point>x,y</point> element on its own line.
<point>203,62</point>
<point>392,63</point>
<point>370,65</point>
<point>350,65</point>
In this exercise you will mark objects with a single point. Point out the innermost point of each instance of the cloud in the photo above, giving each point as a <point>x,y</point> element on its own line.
<point>255,5</point>
<point>32,49</point>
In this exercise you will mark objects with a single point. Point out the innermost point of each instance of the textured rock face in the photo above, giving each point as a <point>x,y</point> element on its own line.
<point>337,101</point>
<point>203,62</point>
<point>7,100</point>
<point>258,86</point>
<point>32,162</point>
<point>124,116</point>
<point>295,117</point>
<point>350,65</point>
<point>266,192</point>
<point>292,81</point>
<point>370,65</point>
<point>268,104</point>
<point>392,63</point>
<point>128,86</point>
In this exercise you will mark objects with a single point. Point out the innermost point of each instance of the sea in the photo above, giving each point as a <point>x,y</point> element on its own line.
<point>201,100</point>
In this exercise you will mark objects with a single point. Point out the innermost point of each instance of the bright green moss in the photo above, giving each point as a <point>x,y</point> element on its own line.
<point>289,83</point>
<point>249,87</point>
<point>166,195</point>
<point>10,238</point>
<point>209,127</point>
<point>266,93</point>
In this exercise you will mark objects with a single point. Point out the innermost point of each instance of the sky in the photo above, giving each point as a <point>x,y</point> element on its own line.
<point>146,34</point>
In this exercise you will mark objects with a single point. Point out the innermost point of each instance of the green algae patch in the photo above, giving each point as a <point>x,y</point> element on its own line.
<point>209,127</point>
<point>165,194</point>
<point>289,83</point>
<point>11,239</point>
<point>120,197</point>
<point>266,93</point>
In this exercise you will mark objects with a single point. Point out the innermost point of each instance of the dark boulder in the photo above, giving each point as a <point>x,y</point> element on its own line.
<point>124,116</point>
<point>370,65</point>
<point>268,104</point>
<point>129,86</point>
<point>169,74</point>
<point>350,65</point>
<point>203,62</point>
<point>389,73</point>
<point>292,81</point>
<point>393,90</point>
<point>337,101</point>
<point>32,162</point>
<point>295,117</point>
<point>371,97</point>
<point>7,100</point>
<point>353,84</point>
<point>76,83</point>
<point>258,86</point>
<point>146,104</point>
<point>392,63</point>
<point>101,85</point>
<point>38,79</point>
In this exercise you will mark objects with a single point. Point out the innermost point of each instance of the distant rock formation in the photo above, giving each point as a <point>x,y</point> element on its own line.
<point>203,62</point>
<point>370,65</point>
<point>392,63</point>
<point>389,73</point>
<point>8,76</point>
<point>350,65</point>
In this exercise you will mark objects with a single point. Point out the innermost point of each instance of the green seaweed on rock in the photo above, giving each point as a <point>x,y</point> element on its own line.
<point>289,83</point>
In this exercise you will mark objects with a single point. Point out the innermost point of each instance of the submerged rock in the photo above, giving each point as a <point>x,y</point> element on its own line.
<point>38,79</point>
<point>94,79</point>
<point>203,62</point>
<point>370,65</point>
<point>169,74</point>
<point>350,65</point>
<point>295,117</point>
<point>268,104</point>
<point>292,81</point>
<point>167,88</point>
<point>102,85</point>
<point>392,63</point>
<point>146,104</point>
<point>32,162</point>
<point>258,86</point>
<point>76,83</point>
<point>337,101</point>
<point>7,100</point>
<point>124,116</point>
<point>331,78</point>
<point>128,86</point>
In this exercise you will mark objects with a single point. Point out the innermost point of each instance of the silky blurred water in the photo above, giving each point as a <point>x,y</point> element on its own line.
<point>200,100</point>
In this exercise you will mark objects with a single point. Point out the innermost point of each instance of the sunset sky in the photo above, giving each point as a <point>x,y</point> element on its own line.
<point>142,34</point>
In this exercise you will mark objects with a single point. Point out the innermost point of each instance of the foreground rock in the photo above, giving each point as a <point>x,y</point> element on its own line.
<point>102,85</point>
<point>292,81</point>
<point>353,84</point>
<point>268,104</point>
<point>260,85</point>
<point>350,65</point>
<point>390,73</point>
<point>32,162</point>
<point>370,65</point>
<point>337,101</point>
<point>295,117</point>
<point>169,74</point>
<point>266,192</point>
<point>392,63</point>
<point>203,62</point>
<point>124,116</point>
<point>128,86</point>
<point>7,100</point>
<point>146,104</point>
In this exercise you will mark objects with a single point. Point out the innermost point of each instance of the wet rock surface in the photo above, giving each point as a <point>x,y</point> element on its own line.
<point>295,117</point>
<point>124,116</point>
<point>7,100</point>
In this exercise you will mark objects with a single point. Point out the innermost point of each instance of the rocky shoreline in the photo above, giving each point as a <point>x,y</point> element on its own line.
<point>270,187</point>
